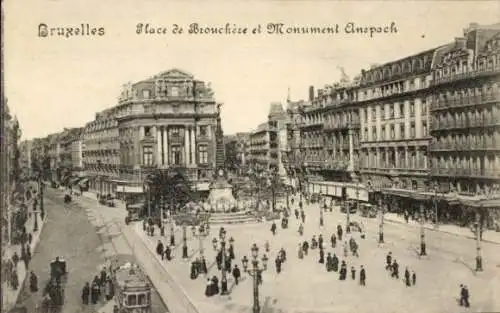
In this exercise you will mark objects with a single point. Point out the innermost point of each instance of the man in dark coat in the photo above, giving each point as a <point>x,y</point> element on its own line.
<point>353,273</point>
<point>209,289</point>
<point>231,252</point>
<point>413,278</point>
<point>168,253</point>
<point>215,285</point>
<point>204,268</point>
<point>296,213</point>
<point>194,271</point>
<point>218,259</point>
<point>388,261</point>
<point>464,296</point>
<point>333,240</point>
<point>85,293</point>
<point>321,256</point>
<point>95,292</point>
<point>103,277</point>
<point>305,247</point>
<point>160,249</point>
<point>33,282</point>
<point>395,269</point>
<point>335,262</point>
<point>303,216</point>
<point>362,276</point>
<point>407,277</point>
<point>273,228</point>
<point>329,262</point>
<point>320,241</point>
<point>339,232</point>
<point>236,274</point>
<point>278,264</point>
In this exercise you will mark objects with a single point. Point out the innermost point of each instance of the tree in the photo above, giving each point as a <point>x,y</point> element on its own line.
<point>168,187</point>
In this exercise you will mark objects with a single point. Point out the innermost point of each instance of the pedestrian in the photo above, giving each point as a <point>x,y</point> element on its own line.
<point>388,260</point>
<point>194,271</point>
<point>320,241</point>
<point>464,296</point>
<point>204,267</point>
<point>333,240</point>
<point>314,242</point>
<point>14,279</point>
<point>95,292</point>
<point>407,277</point>
<point>413,278</point>
<point>329,262</point>
<point>301,229</point>
<point>335,263</point>
<point>15,259</point>
<point>209,288</point>
<point>301,252</point>
<point>160,249</point>
<point>273,228</point>
<point>266,246</point>
<point>395,269</point>
<point>168,253</point>
<point>33,282</point>
<point>236,274</point>
<point>305,246</point>
<point>346,251</point>
<point>278,264</point>
<point>85,293</point>
<point>353,273</point>
<point>303,216</point>
<point>215,285</point>
<point>103,277</point>
<point>362,276</point>
<point>296,214</point>
<point>321,256</point>
<point>339,232</point>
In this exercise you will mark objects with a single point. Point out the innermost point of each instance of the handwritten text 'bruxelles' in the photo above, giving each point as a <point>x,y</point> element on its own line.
<point>263,29</point>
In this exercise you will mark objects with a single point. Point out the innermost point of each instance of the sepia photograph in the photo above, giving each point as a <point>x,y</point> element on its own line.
<point>292,156</point>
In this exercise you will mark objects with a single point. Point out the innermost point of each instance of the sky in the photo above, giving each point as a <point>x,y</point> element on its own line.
<point>56,82</point>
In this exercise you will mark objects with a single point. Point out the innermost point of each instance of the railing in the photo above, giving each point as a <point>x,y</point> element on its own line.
<point>460,146</point>
<point>454,171</point>
<point>466,75</point>
<point>485,122</point>
<point>465,101</point>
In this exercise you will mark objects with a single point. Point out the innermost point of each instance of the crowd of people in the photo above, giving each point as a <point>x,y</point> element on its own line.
<point>102,285</point>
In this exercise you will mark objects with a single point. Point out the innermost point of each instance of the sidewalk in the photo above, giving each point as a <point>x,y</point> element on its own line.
<point>489,236</point>
<point>10,295</point>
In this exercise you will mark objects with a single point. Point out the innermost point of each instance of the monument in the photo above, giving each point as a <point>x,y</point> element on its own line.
<point>220,196</point>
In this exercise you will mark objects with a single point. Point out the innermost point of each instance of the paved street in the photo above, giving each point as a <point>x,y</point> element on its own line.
<point>86,246</point>
<point>305,286</point>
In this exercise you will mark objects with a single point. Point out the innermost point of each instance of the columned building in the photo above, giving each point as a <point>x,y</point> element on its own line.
<point>394,113</point>
<point>167,121</point>
<point>465,155</point>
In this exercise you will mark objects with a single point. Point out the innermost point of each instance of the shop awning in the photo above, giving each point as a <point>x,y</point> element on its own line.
<point>83,181</point>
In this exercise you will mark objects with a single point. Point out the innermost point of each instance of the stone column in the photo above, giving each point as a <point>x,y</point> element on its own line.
<point>351,151</point>
<point>165,148</point>
<point>186,145</point>
<point>406,158</point>
<point>193,145</point>
<point>159,145</point>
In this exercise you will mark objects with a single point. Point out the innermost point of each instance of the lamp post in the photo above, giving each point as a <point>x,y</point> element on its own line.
<point>479,259</point>
<point>255,272</point>
<point>422,232</point>
<point>436,218</point>
<point>201,234</point>
<point>184,241</point>
<point>172,231</point>
<point>222,237</point>
<point>381,226</point>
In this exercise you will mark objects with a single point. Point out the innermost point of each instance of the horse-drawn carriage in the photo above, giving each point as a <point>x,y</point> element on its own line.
<point>53,292</point>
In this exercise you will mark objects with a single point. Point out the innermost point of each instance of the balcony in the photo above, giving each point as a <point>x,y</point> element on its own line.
<point>491,70</point>
<point>311,123</point>
<point>490,121</point>
<point>465,172</point>
<point>439,105</point>
<point>463,146</point>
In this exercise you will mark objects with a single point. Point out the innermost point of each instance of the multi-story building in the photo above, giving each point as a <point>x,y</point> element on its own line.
<point>237,151</point>
<point>39,158</point>
<point>465,108</point>
<point>268,143</point>
<point>53,152</point>
<point>25,160</point>
<point>77,148</point>
<point>166,121</point>
<point>394,113</point>
<point>66,143</point>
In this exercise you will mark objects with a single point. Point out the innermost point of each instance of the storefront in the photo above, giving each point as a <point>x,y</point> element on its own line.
<point>352,191</point>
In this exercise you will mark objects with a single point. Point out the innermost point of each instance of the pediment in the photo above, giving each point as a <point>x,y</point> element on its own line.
<point>176,73</point>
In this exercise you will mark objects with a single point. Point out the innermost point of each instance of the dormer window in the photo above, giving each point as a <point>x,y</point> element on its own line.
<point>147,131</point>
<point>146,94</point>
<point>174,91</point>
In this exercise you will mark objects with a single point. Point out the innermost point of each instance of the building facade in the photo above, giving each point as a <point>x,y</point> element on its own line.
<point>237,151</point>
<point>465,156</point>
<point>166,121</point>
<point>25,160</point>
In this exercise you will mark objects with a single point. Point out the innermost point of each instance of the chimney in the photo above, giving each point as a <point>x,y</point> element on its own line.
<point>460,42</point>
<point>311,93</point>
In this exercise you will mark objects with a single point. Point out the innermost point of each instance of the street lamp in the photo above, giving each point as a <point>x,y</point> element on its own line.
<point>436,220</point>
<point>255,272</point>
<point>184,240</point>
<point>202,233</point>
<point>172,231</point>
<point>222,235</point>
<point>422,232</point>
<point>381,226</point>
<point>479,259</point>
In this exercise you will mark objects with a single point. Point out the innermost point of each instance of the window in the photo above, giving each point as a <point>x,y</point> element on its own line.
<point>393,133</point>
<point>424,129</point>
<point>176,156</point>
<point>401,109</point>
<point>382,112</point>
<point>146,94</point>
<point>391,111</point>
<point>374,113</point>
<point>175,132</point>
<point>203,130</point>
<point>424,107</point>
<point>382,133</point>
<point>402,134</point>
<point>412,130</point>
<point>141,300</point>
<point>131,300</point>
<point>366,134</point>
<point>147,155</point>
<point>203,154</point>
<point>147,131</point>
<point>174,91</point>
<point>412,84</point>
<point>412,108</point>
<point>374,133</point>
